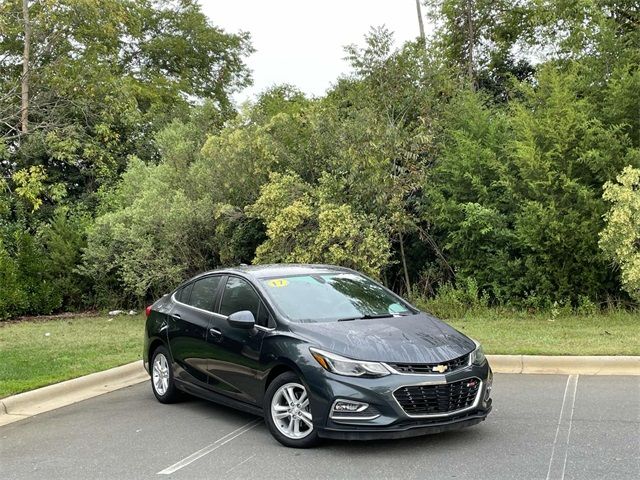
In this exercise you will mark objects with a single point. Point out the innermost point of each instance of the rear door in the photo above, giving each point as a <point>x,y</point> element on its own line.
<point>235,361</point>
<point>188,331</point>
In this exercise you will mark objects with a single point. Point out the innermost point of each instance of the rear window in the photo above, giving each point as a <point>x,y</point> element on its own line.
<point>182,295</point>
<point>203,293</point>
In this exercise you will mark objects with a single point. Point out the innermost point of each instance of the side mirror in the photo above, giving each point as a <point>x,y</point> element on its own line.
<point>242,319</point>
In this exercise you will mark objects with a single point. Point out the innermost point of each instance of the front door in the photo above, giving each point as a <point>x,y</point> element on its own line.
<point>235,360</point>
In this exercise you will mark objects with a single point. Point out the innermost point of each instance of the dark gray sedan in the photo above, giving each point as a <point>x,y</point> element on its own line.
<point>320,351</point>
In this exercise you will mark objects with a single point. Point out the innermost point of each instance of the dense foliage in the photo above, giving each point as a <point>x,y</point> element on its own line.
<point>473,164</point>
<point>620,239</point>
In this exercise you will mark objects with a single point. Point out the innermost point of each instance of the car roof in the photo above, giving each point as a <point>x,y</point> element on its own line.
<point>282,270</point>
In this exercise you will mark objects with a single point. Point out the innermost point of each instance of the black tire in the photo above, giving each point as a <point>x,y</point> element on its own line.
<point>311,439</point>
<point>171,394</point>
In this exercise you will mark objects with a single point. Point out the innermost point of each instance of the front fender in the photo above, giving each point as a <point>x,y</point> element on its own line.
<point>292,352</point>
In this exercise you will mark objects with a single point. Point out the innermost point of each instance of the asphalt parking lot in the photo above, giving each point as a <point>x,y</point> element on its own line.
<point>542,427</point>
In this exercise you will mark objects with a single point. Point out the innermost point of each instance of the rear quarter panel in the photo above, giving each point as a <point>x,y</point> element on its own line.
<point>155,327</point>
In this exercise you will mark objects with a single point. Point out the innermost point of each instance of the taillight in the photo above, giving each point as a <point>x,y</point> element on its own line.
<point>148,310</point>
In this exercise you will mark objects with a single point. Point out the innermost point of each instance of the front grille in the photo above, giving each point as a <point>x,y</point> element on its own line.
<point>437,399</point>
<point>421,368</point>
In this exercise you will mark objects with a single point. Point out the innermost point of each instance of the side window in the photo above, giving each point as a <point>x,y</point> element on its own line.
<point>183,294</point>
<point>204,291</point>
<point>239,295</point>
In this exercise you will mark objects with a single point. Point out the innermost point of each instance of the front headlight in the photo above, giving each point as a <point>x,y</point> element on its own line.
<point>347,366</point>
<point>477,356</point>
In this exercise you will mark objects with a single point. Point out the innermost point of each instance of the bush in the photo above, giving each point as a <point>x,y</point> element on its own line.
<point>154,236</point>
<point>620,239</point>
<point>13,300</point>
<point>453,301</point>
<point>303,227</point>
<point>62,240</point>
<point>27,287</point>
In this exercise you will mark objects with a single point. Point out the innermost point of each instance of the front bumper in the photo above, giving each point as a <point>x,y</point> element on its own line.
<point>405,430</point>
<point>392,421</point>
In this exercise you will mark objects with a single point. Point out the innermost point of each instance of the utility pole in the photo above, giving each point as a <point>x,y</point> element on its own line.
<point>24,110</point>
<point>471,44</point>
<point>420,22</point>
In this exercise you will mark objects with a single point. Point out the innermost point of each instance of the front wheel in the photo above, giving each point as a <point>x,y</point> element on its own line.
<point>288,413</point>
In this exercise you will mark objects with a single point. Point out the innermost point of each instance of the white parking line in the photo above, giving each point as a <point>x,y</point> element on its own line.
<point>240,464</point>
<point>210,448</point>
<point>556,469</point>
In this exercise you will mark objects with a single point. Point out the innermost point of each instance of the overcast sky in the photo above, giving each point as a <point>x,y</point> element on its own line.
<point>301,42</point>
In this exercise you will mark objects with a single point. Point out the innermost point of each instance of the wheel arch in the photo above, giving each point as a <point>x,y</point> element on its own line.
<point>153,346</point>
<point>282,367</point>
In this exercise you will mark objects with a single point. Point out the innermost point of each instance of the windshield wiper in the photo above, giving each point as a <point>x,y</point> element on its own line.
<point>366,317</point>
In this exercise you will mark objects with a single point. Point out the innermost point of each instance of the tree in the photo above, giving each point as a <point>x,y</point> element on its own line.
<point>85,86</point>
<point>422,37</point>
<point>305,226</point>
<point>391,105</point>
<point>480,40</point>
<point>100,78</point>
<point>478,161</point>
<point>516,191</point>
<point>620,239</point>
<point>24,112</point>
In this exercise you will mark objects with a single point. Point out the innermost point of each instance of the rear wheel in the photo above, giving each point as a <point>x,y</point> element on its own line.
<point>288,412</point>
<point>162,382</point>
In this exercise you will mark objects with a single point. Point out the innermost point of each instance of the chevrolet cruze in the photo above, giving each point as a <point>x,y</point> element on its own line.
<point>319,351</point>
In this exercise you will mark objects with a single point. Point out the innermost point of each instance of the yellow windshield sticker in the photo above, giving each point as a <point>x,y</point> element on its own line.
<point>278,282</point>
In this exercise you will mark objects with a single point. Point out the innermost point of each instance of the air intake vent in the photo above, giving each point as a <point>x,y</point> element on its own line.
<point>438,399</point>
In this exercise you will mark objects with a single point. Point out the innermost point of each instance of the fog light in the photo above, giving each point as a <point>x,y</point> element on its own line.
<point>351,411</point>
<point>349,406</point>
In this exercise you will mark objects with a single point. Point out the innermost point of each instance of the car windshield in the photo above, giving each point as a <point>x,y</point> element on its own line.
<point>327,297</point>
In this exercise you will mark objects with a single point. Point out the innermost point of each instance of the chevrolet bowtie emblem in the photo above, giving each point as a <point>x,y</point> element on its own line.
<point>440,368</point>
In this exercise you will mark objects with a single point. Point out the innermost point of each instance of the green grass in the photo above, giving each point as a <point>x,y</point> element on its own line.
<point>616,333</point>
<point>80,345</point>
<point>74,347</point>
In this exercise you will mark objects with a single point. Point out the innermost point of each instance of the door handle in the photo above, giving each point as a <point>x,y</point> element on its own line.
<point>215,332</point>
<point>176,316</point>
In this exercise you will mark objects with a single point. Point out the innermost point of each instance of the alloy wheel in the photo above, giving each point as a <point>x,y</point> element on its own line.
<point>290,411</point>
<point>160,374</point>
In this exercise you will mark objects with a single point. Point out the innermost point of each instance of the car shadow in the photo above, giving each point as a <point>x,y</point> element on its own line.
<point>440,441</point>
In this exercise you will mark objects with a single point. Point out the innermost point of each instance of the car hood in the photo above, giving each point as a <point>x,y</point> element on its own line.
<point>418,338</point>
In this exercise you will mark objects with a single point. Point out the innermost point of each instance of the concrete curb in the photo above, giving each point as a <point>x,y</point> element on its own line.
<point>569,365</point>
<point>28,404</point>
